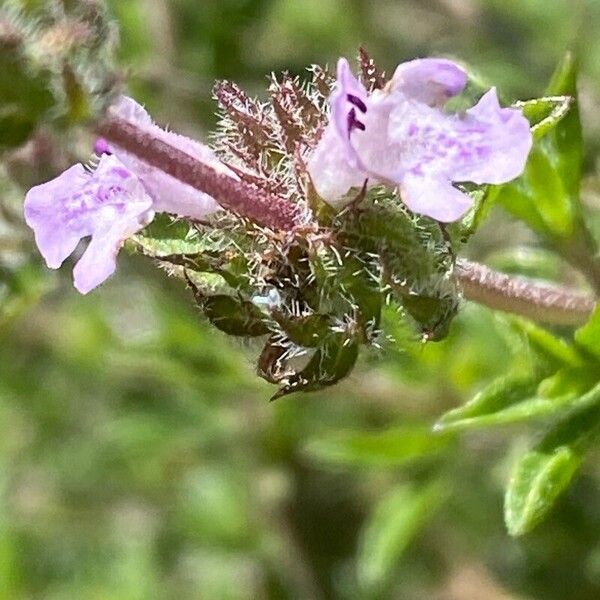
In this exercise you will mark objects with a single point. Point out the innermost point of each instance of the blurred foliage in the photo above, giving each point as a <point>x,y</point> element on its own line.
<point>140,457</point>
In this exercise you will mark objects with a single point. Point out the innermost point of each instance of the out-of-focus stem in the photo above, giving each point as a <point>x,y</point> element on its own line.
<point>518,295</point>
<point>247,201</point>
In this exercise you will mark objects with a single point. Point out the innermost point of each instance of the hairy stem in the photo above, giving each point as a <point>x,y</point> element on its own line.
<point>247,201</point>
<point>538,301</point>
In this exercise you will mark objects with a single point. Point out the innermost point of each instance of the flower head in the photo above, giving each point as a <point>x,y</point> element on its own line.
<point>399,136</point>
<point>112,202</point>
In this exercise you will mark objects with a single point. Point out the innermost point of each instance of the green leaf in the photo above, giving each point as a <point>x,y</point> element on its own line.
<point>166,236</point>
<point>394,523</point>
<point>234,316</point>
<point>588,336</point>
<point>557,351</point>
<point>547,192</point>
<point>513,399</point>
<point>389,448</point>
<point>544,114</point>
<point>527,262</point>
<point>501,395</point>
<point>568,136</point>
<point>538,479</point>
<point>568,381</point>
<point>484,198</point>
<point>541,475</point>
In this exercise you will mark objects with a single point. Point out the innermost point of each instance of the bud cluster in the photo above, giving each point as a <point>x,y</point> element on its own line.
<point>56,66</point>
<point>315,293</point>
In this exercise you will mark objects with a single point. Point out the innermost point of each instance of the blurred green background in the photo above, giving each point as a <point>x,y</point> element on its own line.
<point>139,457</point>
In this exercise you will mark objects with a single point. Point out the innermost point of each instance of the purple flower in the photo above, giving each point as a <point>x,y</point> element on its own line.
<point>399,136</point>
<point>109,205</point>
<point>112,202</point>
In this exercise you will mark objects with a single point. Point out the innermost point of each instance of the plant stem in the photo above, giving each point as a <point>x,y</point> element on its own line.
<point>268,210</point>
<point>518,295</point>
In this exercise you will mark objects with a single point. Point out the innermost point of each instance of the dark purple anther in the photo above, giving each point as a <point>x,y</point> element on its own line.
<point>354,123</point>
<point>357,102</point>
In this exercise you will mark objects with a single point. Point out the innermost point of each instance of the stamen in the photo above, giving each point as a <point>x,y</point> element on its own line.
<point>354,123</point>
<point>357,102</point>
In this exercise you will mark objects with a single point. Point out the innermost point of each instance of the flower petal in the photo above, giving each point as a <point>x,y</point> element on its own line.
<point>329,168</point>
<point>97,263</point>
<point>435,198</point>
<point>489,144</point>
<point>168,193</point>
<point>109,205</point>
<point>429,80</point>
<point>46,212</point>
<point>496,142</point>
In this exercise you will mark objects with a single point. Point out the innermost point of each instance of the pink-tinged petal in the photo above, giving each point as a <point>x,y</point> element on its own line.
<point>169,194</point>
<point>429,80</point>
<point>109,205</point>
<point>434,198</point>
<point>348,109</point>
<point>329,168</point>
<point>496,142</point>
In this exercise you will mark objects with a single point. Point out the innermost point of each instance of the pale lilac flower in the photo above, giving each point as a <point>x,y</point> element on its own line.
<point>109,205</point>
<point>112,202</point>
<point>399,136</point>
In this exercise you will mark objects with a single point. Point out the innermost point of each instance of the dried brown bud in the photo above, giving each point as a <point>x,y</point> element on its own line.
<point>373,77</point>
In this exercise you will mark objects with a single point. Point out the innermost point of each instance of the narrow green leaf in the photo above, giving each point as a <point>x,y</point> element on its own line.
<point>541,476</point>
<point>568,381</point>
<point>394,523</point>
<point>588,336</point>
<point>511,400</point>
<point>483,201</point>
<point>544,114</point>
<point>527,261</point>
<point>547,191</point>
<point>568,137</point>
<point>502,394</point>
<point>554,349</point>
<point>538,479</point>
<point>389,448</point>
